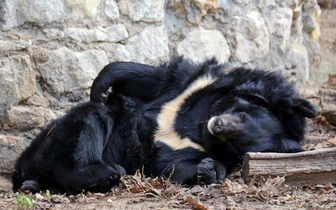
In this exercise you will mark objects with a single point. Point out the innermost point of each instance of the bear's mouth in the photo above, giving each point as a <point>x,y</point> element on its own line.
<point>222,125</point>
<point>212,127</point>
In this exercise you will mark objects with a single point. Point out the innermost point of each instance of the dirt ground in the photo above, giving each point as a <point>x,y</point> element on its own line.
<point>136,192</point>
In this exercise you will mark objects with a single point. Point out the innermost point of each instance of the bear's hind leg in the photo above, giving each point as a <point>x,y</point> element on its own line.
<point>31,186</point>
<point>89,176</point>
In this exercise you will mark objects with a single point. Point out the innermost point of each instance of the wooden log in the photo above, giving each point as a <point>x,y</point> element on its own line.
<point>302,168</point>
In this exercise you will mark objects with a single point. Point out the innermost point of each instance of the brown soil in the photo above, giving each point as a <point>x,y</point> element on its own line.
<point>136,192</point>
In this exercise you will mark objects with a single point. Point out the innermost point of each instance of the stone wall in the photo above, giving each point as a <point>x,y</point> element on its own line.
<point>52,50</point>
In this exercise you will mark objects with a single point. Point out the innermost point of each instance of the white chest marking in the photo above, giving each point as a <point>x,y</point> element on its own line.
<point>167,117</point>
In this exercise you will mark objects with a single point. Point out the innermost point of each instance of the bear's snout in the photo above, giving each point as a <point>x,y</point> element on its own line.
<point>223,124</point>
<point>219,124</point>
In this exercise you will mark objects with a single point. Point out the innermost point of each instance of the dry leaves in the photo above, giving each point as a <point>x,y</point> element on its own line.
<point>139,192</point>
<point>160,188</point>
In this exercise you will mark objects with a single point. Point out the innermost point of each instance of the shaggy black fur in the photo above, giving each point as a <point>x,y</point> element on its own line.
<point>87,149</point>
<point>208,119</point>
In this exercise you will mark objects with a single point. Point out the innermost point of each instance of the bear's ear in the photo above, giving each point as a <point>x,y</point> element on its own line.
<point>290,146</point>
<point>254,98</point>
<point>304,108</point>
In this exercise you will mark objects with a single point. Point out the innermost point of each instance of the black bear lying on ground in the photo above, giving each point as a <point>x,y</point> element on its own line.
<point>202,119</point>
<point>88,148</point>
<point>207,119</point>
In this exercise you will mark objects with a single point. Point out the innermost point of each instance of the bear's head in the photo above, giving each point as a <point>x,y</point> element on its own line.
<point>253,124</point>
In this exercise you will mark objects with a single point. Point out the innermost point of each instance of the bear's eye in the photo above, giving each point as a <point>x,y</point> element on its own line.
<point>243,116</point>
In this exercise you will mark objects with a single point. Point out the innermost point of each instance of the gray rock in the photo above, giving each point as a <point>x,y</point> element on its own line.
<point>309,23</point>
<point>298,74</point>
<point>11,146</point>
<point>328,104</point>
<point>149,46</point>
<point>249,37</point>
<point>52,33</point>
<point>113,33</point>
<point>111,9</point>
<point>25,118</point>
<point>147,11</point>
<point>18,12</point>
<point>13,45</point>
<point>69,72</point>
<point>85,8</point>
<point>201,44</point>
<point>17,80</point>
<point>278,22</point>
<point>196,9</point>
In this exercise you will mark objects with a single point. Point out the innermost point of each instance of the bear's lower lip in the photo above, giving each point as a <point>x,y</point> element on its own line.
<point>210,125</point>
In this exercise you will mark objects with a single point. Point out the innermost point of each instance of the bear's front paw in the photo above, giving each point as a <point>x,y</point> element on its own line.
<point>117,171</point>
<point>210,171</point>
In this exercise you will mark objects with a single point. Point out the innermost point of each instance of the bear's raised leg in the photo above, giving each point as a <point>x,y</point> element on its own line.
<point>137,80</point>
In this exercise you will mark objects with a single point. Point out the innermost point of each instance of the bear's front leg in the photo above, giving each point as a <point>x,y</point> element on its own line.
<point>210,171</point>
<point>179,166</point>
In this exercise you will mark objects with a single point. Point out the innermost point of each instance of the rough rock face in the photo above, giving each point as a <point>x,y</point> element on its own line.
<point>327,97</point>
<point>50,51</point>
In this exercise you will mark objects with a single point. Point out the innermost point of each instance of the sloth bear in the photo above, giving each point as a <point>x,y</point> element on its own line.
<point>208,116</point>
<point>89,148</point>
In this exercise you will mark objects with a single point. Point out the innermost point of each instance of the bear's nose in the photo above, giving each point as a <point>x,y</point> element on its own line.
<point>219,124</point>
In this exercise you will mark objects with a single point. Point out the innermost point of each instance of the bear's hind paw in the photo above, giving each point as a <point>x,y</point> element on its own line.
<point>31,186</point>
